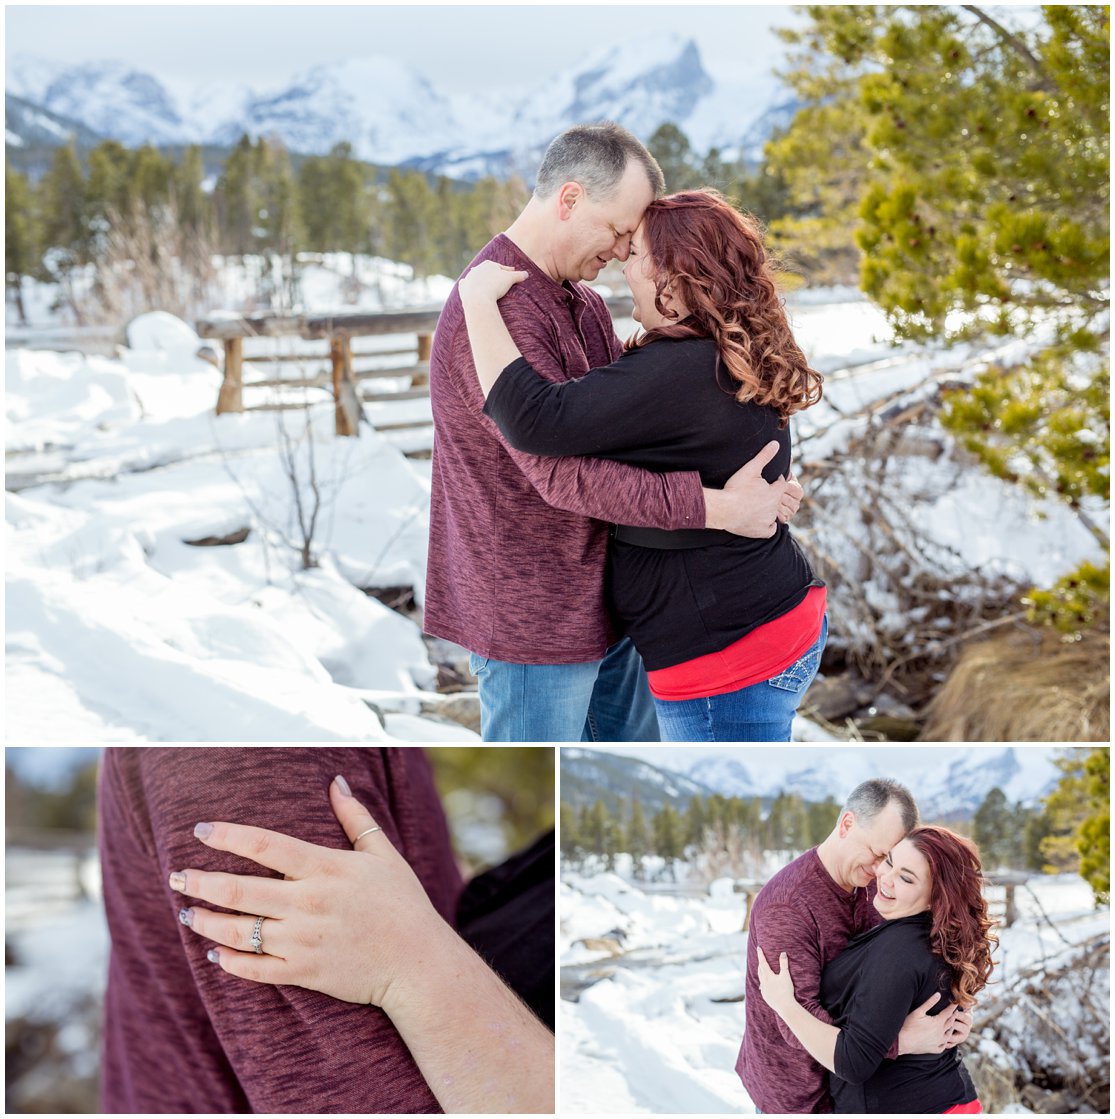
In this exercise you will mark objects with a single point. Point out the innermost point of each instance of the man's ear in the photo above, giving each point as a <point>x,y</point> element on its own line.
<point>569,196</point>
<point>847,819</point>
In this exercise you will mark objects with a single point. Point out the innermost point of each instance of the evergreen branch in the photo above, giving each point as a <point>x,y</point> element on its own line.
<point>1015,43</point>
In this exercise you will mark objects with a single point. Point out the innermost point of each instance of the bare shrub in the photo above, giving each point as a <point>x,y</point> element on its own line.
<point>147,261</point>
<point>901,604</point>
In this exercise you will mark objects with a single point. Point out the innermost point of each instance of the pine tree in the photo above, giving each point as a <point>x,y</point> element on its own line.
<point>668,837</point>
<point>970,162</point>
<point>671,147</point>
<point>108,190</point>
<point>695,823</point>
<point>191,202</point>
<point>568,834</point>
<point>994,830</point>
<point>149,178</point>
<point>66,239</point>
<point>636,842</point>
<point>237,200</point>
<point>787,826</point>
<point>1035,828</point>
<point>21,237</point>
<point>822,817</point>
<point>1079,812</point>
<point>599,826</point>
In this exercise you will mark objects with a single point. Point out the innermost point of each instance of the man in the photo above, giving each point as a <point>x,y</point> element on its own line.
<point>518,543</point>
<point>180,1035</point>
<point>809,910</point>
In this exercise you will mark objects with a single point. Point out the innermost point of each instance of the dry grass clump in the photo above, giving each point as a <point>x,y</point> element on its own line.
<point>1026,686</point>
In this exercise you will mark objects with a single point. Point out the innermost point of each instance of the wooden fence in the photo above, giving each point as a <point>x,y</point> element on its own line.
<point>340,373</point>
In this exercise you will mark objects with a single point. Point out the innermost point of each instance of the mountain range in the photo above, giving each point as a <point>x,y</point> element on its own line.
<point>948,790</point>
<point>394,115</point>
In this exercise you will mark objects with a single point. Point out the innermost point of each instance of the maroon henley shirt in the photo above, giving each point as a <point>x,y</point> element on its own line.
<point>801,911</point>
<point>181,1035</point>
<point>518,543</point>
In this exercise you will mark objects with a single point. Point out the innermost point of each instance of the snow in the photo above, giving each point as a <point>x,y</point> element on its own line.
<point>645,1035</point>
<point>120,630</point>
<point>119,462</point>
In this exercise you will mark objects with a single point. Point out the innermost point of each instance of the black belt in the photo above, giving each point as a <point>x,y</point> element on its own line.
<point>672,540</point>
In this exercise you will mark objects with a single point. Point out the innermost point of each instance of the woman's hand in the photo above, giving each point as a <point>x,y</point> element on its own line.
<point>777,987</point>
<point>488,281</point>
<point>345,923</point>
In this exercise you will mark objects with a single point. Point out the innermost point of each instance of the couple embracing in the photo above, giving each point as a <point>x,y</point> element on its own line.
<point>608,523</point>
<point>864,958</point>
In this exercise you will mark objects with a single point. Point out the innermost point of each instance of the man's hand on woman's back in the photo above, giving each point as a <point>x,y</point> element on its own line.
<point>749,505</point>
<point>926,1033</point>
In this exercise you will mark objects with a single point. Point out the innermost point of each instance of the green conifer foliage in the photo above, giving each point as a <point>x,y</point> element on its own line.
<point>21,236</point>
<point>970,161</point>
<point>1078,815</point>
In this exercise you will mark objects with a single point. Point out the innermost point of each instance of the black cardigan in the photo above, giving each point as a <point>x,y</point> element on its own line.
<point>868,990</point>
<point>667,406</point>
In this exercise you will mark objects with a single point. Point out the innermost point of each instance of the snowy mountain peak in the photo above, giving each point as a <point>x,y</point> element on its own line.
<point>392,114</point>
<point>941,790</point>
<point>113,99</point>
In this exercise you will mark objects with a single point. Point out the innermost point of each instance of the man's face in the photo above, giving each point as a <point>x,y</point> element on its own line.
<point>865,846</point>
<point>597,231</point>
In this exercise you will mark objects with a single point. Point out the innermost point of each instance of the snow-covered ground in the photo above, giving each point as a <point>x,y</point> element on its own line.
<point>118,629</point>
<point>649,1031</point>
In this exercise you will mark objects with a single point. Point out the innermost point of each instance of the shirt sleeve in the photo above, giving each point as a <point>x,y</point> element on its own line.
<point>593,487</point>
<point>783,930</point>
<point>183,1036</point>
<point>617,407</point>
<point>878,1007</point>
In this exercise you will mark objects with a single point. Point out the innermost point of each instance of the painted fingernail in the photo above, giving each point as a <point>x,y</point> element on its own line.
<point>178,881</point>
<point>186,916</point>
<point>213,956</point>
<point>203,831</point>
<point>342,784</point>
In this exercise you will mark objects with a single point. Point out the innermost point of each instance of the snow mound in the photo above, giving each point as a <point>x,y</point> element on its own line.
<point>160,330</point>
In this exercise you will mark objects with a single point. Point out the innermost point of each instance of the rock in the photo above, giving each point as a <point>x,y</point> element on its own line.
<point>834,697</point>
<point>889,728</point>
<point>462,709</point>
<point>398,598</point>
<point>884,704</point>
<point>208,353</point>
<point>601,944</point>
<point>237,536</point>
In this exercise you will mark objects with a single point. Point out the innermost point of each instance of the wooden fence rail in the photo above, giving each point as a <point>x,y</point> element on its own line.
<point>338,330</point>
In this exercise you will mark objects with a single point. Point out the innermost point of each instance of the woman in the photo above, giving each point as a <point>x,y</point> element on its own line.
<point>358,926</point>
<point>730,629</point>
<point>935,937</point>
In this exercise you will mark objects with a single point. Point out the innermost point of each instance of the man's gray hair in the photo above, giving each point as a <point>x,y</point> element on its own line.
<point>866,801</point>
<point>596,156</point>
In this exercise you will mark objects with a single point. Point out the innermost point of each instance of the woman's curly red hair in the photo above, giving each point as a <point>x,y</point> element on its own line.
<point>961,929</point>
<point>713,259</point>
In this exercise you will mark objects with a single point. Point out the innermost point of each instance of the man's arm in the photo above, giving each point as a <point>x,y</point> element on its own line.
<point>782,929</point>
<point>182,1035</point>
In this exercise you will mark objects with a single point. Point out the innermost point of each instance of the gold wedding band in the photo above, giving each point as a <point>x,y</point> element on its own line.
<point>364,833</point>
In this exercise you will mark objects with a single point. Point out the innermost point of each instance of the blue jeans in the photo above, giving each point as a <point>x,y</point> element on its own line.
<point>598,701</point>
<point>763,712</point>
